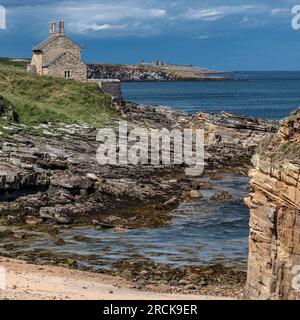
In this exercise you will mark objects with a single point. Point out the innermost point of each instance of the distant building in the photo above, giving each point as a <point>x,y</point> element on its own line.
<point>159,63</point>
<point>58,56</point>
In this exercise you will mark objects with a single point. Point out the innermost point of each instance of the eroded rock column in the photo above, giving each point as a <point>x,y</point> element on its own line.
<point>274,240</point>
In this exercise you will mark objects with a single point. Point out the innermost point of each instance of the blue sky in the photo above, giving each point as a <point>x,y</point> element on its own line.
<point>228,35</point>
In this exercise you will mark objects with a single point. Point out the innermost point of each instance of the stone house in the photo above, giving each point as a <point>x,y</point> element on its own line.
<point>58,56</point>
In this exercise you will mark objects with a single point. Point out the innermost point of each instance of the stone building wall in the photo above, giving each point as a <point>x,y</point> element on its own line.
<point>68,62</point>
<point>274,240</point>
<point>37,61</point>
<point>59,45</point>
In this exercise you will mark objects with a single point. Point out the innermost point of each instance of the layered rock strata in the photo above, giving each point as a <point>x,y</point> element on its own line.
<point>274,241</point>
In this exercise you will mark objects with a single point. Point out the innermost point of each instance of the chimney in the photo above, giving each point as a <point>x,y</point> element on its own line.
<point>61,27</point>
<point>52,27</point>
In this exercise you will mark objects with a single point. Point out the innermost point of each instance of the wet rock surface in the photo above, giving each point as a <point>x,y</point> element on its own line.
<point>144,274</point>
<point>212,280</point>
<point>221,196</point>
<point>51,172</point>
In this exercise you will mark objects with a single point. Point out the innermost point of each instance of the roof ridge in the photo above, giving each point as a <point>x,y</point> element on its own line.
<point>51,38</point>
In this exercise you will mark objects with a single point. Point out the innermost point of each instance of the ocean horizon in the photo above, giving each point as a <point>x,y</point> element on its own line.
<point>263,94</point>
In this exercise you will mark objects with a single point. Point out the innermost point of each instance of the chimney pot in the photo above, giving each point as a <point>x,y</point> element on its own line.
<point>52,27</point>
<point>61,27</point>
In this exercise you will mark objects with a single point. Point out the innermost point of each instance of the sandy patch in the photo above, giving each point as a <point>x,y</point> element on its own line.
<point>25,281</point>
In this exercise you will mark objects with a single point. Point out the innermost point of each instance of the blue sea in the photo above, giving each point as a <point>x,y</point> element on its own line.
<point>270,95</point>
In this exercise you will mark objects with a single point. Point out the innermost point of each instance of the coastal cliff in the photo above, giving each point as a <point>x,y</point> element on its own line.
<point>274,241</point>
<point>136,73</point>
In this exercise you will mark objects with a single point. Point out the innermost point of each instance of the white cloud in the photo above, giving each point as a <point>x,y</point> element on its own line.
<point>131,17</point>
<point>83,27</point>
<point>280,11</point>
<point>216,13</point>
<point>205,14</point>
<point>140,18</point>
<point>252,22</point>
<point>203,37</point>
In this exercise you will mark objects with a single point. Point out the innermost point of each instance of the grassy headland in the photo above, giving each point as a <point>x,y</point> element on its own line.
<point>39,99</point>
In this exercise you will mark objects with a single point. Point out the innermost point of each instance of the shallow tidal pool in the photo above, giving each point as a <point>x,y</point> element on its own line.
<point>204,232</point>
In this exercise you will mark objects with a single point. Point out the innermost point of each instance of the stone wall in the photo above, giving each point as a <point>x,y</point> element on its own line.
<point>37,61</point>
<point>31,69</point>
<point>110,86</point>
<point>59,45</point>
<point>68,62</point>
<point>274,202</point>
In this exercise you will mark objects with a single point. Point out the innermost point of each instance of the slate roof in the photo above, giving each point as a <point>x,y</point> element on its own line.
<point>44,43</point>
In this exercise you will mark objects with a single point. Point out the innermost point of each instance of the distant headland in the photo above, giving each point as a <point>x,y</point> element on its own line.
<point>60,56</point>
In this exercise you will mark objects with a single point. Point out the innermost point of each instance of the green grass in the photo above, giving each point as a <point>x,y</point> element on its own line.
<point>48,99</point>
<point>7,64</point>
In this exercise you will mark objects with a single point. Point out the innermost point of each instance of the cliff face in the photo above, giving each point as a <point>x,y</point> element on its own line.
<point>126,73</point>
<point>274,241</point>
<point>137,73</point>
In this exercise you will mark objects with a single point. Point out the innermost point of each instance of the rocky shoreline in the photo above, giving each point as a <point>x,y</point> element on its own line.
<point>50,171</point>
<point>49,178</point>
<point>215,280</point>
<point>142,274</point>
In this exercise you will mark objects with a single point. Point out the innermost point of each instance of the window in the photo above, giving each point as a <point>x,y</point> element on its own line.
<point>67,74</point>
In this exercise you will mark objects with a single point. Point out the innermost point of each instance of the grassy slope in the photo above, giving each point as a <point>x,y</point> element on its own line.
<point>43,99</point>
